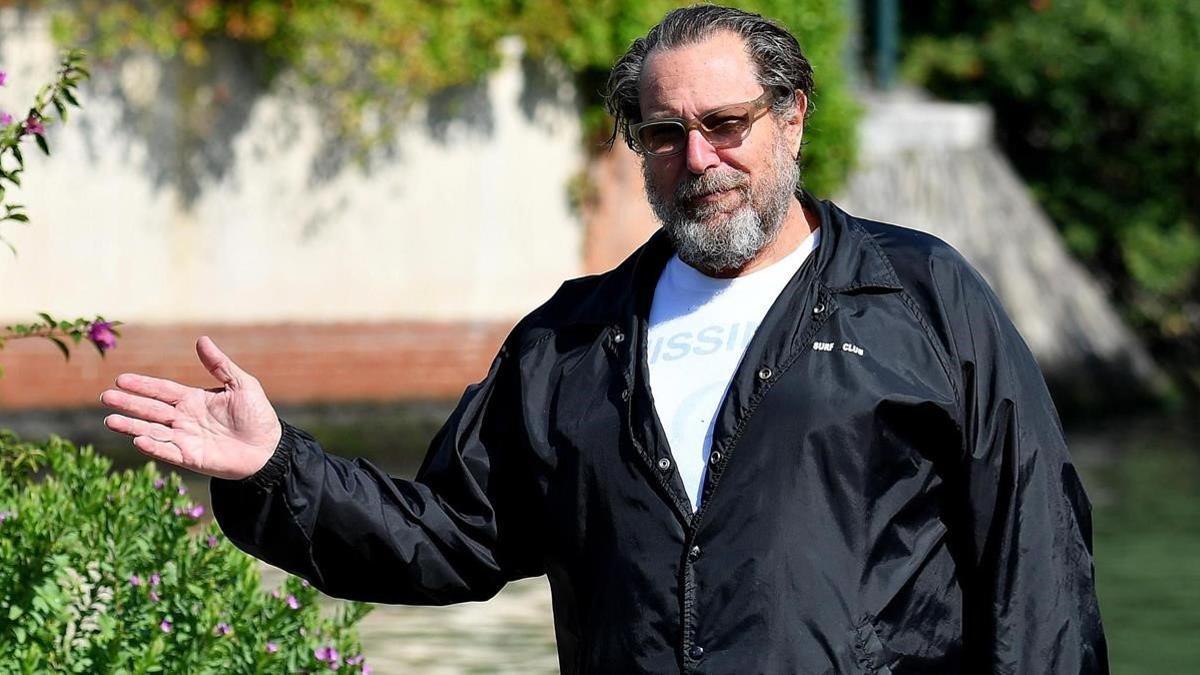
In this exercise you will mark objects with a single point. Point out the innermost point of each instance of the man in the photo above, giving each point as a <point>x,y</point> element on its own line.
<point>776,439</point>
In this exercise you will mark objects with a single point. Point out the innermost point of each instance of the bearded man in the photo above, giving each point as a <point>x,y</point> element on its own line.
<point>776,439</point>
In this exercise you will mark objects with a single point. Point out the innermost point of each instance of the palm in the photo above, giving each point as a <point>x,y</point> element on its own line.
<point>228,432</point>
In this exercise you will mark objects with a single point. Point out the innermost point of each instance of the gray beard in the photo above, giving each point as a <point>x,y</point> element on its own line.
<point>721,246</point>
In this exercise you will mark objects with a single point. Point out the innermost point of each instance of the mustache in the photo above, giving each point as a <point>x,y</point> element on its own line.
<point>708,183</point>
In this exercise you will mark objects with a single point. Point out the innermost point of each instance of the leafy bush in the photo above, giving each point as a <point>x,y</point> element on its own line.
<point>112,572</point>
<point>1097,103</point>
<point>370,60</point>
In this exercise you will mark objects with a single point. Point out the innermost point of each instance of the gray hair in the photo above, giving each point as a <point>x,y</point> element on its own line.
<point>775,52</point>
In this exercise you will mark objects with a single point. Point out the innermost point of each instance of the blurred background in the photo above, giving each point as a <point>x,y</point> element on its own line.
<point>357,200</point>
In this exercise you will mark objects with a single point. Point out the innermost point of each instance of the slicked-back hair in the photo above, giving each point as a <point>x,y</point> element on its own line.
<point>775,53</point>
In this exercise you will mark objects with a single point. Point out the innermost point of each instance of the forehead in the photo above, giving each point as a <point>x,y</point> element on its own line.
<point>689,80</point>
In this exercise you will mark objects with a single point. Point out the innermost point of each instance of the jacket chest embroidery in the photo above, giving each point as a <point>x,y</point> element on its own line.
<point>847,347</point>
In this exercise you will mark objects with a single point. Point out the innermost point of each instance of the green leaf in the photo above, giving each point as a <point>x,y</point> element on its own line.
<point>62,346</point>
<point>70,98</point>
<point>47,318</point>
<point>41,141</point>
<point>62,109</point>
<point>19,217</point>
<point>19,157</point>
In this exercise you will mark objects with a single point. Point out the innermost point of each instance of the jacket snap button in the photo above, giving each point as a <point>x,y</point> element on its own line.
<point>694,553</point>
<point>624,394</point>
<point>618,337</point>
<point>696,652</point>
<point>820,307</point>
<point>664,464</point>
<point>764,374</point>
<point>715,458</point>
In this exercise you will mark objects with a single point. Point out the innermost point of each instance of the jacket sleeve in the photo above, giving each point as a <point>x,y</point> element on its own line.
<point>1029,583</point>
<point>459,531</point>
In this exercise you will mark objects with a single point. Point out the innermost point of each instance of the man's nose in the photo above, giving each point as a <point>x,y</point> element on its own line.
<point>701,155</point>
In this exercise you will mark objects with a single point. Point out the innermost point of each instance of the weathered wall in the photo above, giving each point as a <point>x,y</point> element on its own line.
<point>466,218</point>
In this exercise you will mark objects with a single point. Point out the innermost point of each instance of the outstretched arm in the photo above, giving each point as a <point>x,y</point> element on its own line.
<point>459,531</point>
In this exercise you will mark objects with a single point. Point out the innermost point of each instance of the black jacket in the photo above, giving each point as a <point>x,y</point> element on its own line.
<point>907,509</point>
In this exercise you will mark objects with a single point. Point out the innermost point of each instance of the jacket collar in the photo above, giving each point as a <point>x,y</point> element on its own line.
<point>847,260</point>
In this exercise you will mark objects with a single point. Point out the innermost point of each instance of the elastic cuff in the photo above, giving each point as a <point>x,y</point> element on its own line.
<point>277,466</point>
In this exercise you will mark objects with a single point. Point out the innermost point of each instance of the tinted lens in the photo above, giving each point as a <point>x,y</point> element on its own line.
<point>663,138</point>
<point>727,127</point>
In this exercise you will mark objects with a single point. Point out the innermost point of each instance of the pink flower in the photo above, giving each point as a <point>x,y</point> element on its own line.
<point>159,483</point>
<point>3,78</point>
<point>354,660</point>
<point>100,332</point>
<point>293,602</point>
<point>327,654</point>
<point>33,125</point>
<point>275,593</point>
<point>366,670</point>
<point>155,579</point>
<point>165,626</point>
<point>212,541</point>
<point>222,629</point>
<point>135,580</point>
<point>153,596</point>
<point>182,490</point>
<point>5,119</point>
<point>272,647</point>
<point>196,511</point>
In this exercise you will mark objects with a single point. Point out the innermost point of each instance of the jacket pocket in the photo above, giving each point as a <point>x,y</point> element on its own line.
<point>873,657</point>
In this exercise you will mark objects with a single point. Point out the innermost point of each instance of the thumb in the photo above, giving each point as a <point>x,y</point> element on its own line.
<point>218,364</point>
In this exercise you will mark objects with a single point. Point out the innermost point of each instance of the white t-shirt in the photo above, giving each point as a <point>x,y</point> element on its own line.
<point>699,329</point>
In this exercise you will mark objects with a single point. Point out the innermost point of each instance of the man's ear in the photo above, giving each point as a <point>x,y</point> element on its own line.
<point>796,124</point>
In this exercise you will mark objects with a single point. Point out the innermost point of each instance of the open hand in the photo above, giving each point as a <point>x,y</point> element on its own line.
<point>229,431</point>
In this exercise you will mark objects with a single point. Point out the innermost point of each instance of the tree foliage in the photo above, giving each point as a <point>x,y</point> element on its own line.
<point>366,62</point>
<point>1098,104</point>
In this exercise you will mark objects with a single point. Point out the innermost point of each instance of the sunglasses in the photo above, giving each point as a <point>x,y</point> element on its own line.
<point>724,127</point>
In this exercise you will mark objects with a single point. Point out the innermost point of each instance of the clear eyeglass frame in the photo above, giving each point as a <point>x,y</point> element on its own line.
<point>723,127</point>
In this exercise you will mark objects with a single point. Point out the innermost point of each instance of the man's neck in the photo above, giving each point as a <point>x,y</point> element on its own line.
<point>797,224</point>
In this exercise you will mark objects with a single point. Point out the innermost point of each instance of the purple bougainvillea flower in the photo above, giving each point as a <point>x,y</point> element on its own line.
<point>159,483</point>
<point>153,596</point>
<point>293,602</point>
<point>211,541</point>
<point>155,579</point>
<point>354,660</point>
<point>33,125</point>
<point>3,78</point>
<point>5,119</point>
<point>366,670</point>
<point>327,653</point>
<point>135,580</point>
<point>196,511</point>
<point>165,626</point>
<point>182,489</point>
<point>222,629</point>
<point>272,647</point>
<point>100,332</point>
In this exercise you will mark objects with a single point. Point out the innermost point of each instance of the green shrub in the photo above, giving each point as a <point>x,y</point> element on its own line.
<point>1097,103</point>
<point>104,572</point>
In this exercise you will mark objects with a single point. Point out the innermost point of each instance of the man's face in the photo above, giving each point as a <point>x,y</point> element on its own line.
<point>719,206</point>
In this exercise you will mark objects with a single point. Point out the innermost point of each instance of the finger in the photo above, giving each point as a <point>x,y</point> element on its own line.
<point>157,388</point>
<point>218,364</point>
<point>139,406</point>
<point>167,452</point>
<point>135,427</point>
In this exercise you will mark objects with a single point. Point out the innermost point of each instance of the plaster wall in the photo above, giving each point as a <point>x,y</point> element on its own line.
<point>466,217</point>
